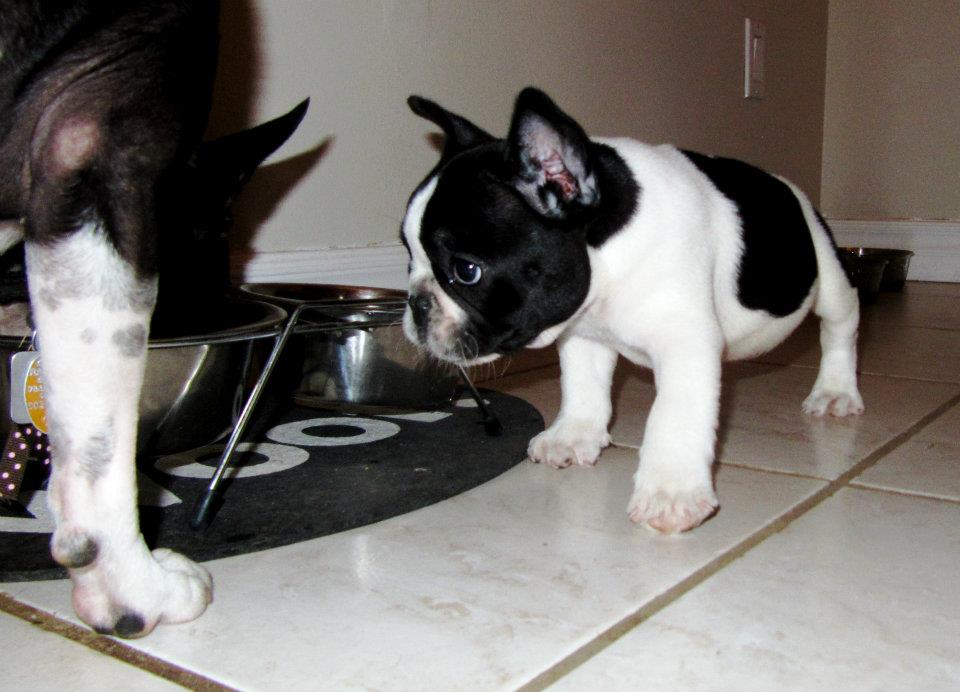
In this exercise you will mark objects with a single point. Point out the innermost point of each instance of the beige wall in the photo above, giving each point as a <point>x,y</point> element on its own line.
<point>658,70</point>
<point>892,117</point>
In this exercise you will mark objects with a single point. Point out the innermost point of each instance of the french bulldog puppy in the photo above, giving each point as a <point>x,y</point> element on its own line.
<point>675,260</point>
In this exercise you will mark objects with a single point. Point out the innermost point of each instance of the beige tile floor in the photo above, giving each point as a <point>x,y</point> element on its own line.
<point>834,563</point>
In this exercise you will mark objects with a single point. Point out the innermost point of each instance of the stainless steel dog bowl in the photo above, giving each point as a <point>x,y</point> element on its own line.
<point>897,263</point>
<point>349,350</point>
<point>876,269</point>
<point>865,273</point>
<point>194,385</point>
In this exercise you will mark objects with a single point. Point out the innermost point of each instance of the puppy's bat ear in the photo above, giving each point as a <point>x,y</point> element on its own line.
<point>550,156</point>
<point>461,134</point>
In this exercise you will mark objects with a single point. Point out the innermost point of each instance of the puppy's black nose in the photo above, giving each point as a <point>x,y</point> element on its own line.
<point>419,308</point>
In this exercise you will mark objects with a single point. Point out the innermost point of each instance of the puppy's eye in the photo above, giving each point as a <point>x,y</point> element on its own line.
<point>466,272</point>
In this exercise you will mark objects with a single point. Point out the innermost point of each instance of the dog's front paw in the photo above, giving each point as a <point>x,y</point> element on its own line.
<point>837,403</point>
<point>671,507</point>
<point>165,587</point>
<point>569,442</point>
<point>189,586</point>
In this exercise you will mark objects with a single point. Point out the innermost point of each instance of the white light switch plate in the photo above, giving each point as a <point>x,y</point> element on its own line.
<point>754,55</point>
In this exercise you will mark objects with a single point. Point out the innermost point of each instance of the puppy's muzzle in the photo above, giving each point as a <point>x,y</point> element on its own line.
<point>420,305</point>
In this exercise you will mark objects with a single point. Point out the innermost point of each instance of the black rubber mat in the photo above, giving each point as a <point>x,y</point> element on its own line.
<point>303,473</point>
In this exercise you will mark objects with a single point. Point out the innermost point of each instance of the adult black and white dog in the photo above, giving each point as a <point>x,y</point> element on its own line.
<point>675,260</point>
<point>102,108</point>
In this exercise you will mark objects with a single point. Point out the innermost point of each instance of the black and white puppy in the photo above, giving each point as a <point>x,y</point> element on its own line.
<point>675,260</point>
<point>103,106</point>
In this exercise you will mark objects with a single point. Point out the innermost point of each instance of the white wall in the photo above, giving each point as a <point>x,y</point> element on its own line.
<point>659,70</point>
<point>892,118</point>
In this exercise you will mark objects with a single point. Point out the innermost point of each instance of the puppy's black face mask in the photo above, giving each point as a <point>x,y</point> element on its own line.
<point>499,231</point>
<point>513,271</point>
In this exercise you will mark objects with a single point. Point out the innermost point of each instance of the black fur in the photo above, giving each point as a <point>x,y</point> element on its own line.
<point>137,75</point>
<point>779,264</point>
<point>194,264</point>
<point>499,231</point>
<point>620,194</point>
<point>487,209</point>
<point>136,78</point>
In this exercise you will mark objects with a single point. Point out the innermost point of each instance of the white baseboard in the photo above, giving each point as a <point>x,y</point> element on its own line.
<point>382,266</point>
<point>936,244</point>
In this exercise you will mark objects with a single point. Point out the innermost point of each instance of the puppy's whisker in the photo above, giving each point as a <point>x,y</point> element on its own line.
<point>466,348</point>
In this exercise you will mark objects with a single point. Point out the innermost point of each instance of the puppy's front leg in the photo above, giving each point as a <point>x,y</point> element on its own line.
<point>580,431</point>
<point>673,489</point>
<point>92,313</point>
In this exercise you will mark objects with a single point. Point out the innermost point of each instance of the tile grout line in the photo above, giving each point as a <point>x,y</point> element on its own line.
<point>860,373</point>
<point>915,494</point>
<point>813,366</point>
<point>108,646</point>
<point>606,638</point>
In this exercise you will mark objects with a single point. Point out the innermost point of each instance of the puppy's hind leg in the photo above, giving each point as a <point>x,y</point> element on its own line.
<point>835,390</point>
<point>580,431</point>
<point>91,229</point>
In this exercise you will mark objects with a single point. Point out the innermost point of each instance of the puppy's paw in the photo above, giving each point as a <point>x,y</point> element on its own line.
<point>189,587</point>
<point>822,402</point>
<point>672,510</point>
<point>569,442</point>
<point>140,591</point>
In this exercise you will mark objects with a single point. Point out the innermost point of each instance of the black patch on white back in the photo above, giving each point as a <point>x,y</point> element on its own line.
<point>779,264</point>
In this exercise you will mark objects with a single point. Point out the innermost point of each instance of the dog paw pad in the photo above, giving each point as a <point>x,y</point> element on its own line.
<point>129,625</point>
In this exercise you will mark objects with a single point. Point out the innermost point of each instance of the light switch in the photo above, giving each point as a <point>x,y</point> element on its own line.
<point>754,55</point>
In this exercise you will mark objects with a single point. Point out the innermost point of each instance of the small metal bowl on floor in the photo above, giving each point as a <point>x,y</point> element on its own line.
<point>348,350</point>
<point>876,269</point>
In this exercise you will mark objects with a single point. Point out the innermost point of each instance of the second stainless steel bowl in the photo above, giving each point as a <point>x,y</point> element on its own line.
<point>350,351</point>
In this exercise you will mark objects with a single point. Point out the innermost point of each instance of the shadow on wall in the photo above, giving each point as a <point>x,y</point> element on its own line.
<point>238,71</point>
<point>269,185</point>
<point>235,96</point>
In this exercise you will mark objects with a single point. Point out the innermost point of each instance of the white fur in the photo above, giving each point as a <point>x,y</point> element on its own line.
<point>92,382</point>
<point>663,294</point>
<point>419,262</point>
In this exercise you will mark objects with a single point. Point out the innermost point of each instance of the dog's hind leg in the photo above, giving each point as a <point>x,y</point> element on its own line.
<point>91,228</point>
<point>92,312</point>
<point>835,390</point>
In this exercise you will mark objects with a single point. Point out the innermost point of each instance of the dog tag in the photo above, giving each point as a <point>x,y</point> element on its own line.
<point>26,391</point>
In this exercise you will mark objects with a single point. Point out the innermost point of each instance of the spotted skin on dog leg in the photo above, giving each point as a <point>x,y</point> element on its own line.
<point>130,341</point>
<point>74,550</point>
<point>92,412</point>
